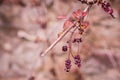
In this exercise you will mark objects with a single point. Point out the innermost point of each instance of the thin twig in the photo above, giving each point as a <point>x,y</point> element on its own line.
<point>58,39</point>
<point>70,41</point>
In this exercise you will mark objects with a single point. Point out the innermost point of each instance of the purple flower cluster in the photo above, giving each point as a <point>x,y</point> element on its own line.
<point>88,2</point>
<point>77,60</point>
<point>67,65</point>
<point>78,40</point>
<point>105,5</point>
<point>107,8</point>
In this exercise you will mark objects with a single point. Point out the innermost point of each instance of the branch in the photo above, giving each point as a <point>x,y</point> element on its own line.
<point>64,33</point>
<point>58,39</point>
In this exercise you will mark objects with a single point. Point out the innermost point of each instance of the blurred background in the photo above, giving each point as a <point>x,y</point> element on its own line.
<point>28,27</point>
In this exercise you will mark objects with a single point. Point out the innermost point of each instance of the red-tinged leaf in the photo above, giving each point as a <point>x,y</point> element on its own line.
<point>67,24</point>
<point>61,17</point>
<point>86,23</point>
<point>84,14</point>
<point>76,14</point>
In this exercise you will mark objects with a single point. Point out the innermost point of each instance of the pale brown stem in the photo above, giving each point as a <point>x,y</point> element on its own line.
<point>70,41</point>
<point>58,39</point>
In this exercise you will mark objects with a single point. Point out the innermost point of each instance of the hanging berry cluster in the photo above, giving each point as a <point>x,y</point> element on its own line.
<point>76,24</point>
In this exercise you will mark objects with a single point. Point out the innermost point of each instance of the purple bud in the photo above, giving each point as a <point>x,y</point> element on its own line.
<point>64,48</point>
<point>107,4</point>
<point>77,57</point>
<point>81,31</point>
<point>77,40</point>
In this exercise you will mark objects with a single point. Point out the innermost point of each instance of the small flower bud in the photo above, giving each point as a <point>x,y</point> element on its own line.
<point>77,40</point>
<point>64,48</point>
<point>81,31</point>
